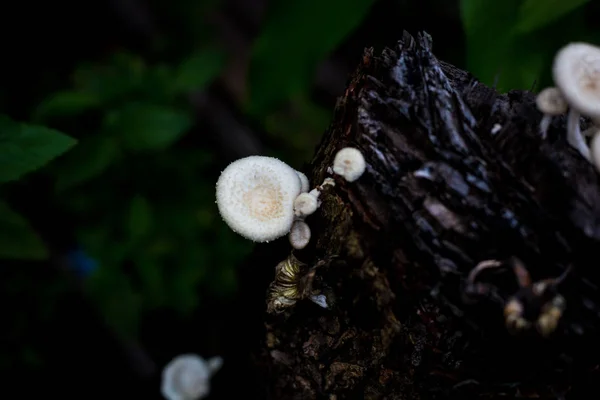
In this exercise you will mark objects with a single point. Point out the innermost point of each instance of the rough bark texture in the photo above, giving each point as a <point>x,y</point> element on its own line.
<point>445,188</point>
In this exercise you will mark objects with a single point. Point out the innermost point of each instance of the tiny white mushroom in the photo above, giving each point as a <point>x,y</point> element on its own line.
<point>495,129</point>
<point>349,163</point>
<point>299,234</point>
<point>327,181</point>
<point>305,204</point>
<point>255,197</point>
<point>576,73</point>
<point>304,182</point>
<point>315,192</point>
<point>187,377</point>
<point>551,102</point>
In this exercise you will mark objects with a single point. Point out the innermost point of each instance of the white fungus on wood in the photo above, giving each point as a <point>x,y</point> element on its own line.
<point>299,235</point>
<point>551,102</point>
<point>305,204</point>
<point>255,197</point>
<point>187,377</point>
<point>576,73</point>
<point>495,129</point>
<point>349,163</point>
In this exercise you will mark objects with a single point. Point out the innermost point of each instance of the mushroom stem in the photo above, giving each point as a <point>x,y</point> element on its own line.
<point>545,124</point>
<point>595,150</point>
<point>574,135</point>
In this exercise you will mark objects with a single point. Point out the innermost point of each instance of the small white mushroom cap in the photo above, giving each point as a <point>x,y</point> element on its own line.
<point>187,377</point>
<point>349,163</point>
<point>551,101</point>
<point>328,181</point>
<point>576,73</point>
<point>299,234</point>
<point>255,196</point>
<point>315,192</point>
<point>304,182</point>
<point>305,204</point>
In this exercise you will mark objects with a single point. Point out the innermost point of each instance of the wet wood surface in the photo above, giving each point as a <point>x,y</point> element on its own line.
<point>457,174</point>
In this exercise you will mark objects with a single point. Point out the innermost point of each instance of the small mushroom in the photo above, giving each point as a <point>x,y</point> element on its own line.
<point>299,235</point>
<point>304,182</point>
<point>349,163</point>
<point>576,73</point>
<point>551,102</point>
<point>255,197</point>
<point>187,377</point>
<point>305,204</point>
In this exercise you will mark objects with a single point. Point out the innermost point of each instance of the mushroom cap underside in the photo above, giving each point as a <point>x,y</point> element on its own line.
<point>576,72</point>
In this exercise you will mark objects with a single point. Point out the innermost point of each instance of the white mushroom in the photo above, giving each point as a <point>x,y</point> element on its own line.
<point>551,102</point>
<point>304,182</point>
<point>187,377</point>
<point>576,73</point>
<point>315,192</point>
<point>497,128</point>
<point>327,181</point>
<point>349,163</point>
<point>255,197</point>
<point>299,235</point>
<point>305,204</point>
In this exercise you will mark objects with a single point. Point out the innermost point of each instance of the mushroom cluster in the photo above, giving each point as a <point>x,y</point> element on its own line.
<point>187,377</point>
<point>263,198</point>
<point>576,74</point>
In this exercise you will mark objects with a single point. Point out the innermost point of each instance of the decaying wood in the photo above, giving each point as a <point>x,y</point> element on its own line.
<point>457,174</point>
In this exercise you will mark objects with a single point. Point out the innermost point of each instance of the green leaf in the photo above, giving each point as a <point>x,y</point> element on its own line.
<point>67,103</point>
<point>198,70</point>
<point>25,148</point>
<point>535,14</point>
<point>17,238</point>
<point>146,127</point>
<point>139,221</point>
<point>92,156</point>
<point>296,36</point>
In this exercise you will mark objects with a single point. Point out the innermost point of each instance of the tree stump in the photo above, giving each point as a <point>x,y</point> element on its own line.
<point>457,174</point>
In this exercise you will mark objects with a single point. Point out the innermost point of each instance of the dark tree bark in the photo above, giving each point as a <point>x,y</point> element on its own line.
<point>457,174</point>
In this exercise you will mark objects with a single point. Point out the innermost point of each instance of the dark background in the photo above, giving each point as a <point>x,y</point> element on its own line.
<point>161,95</point>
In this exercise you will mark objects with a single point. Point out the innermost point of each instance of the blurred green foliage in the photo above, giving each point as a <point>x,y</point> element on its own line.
<point>24,148</point>
<point>17,238</point>
<point>294,39</point>
<point>511,43</point>
<point>144,203</point>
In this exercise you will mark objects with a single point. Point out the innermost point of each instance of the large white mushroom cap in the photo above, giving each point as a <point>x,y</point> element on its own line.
<point>187,377</point>
<point>255,196</point>
<point>576,72</point>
